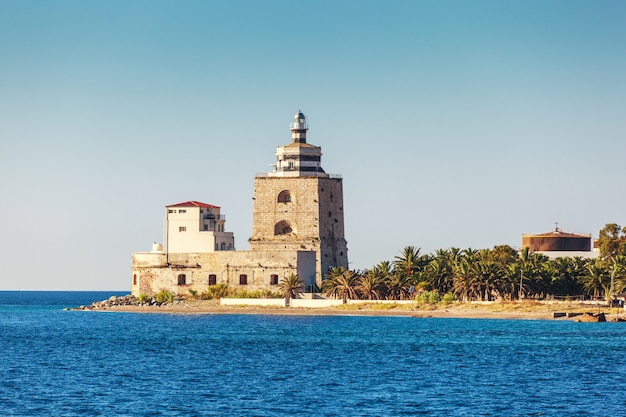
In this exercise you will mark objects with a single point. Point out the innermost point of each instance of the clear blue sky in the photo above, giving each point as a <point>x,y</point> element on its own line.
<point>453,123</point>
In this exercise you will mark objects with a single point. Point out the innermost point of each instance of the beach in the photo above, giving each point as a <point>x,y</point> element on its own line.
<point>524,310</point>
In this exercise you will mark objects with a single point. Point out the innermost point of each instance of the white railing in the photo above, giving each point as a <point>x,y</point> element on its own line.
<point>300,174</point>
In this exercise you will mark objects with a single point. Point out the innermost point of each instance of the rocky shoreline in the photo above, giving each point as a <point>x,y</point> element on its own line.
<point>129,301</point>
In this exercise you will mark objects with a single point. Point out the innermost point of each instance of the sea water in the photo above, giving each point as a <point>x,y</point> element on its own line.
<point>80,363</point>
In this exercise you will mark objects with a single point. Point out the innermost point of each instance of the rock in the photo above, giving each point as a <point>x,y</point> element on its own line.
<point>592,318</point>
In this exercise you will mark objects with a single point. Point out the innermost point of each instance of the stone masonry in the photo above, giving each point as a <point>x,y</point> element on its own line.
<point>311,218</point>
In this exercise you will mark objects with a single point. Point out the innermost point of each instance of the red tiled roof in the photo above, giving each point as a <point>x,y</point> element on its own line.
<point>193,204</point>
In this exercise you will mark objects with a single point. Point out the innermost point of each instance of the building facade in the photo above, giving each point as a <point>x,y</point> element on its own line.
<point>196,227</point>
<point>298,228</point>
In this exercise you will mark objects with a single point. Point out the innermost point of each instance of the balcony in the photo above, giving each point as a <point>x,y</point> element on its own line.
<point>298,126</point>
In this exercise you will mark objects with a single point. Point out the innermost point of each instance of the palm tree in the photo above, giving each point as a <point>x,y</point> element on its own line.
<point>533,272</point>
<point>485,283</point>
<point>371,284</point>
<point>596,279</point>
<point>385,270</point>
<point>398,285</point>
<point>291,287</point>
<point>619,273</point>
<point>409,261</point>
<point>469,254</point>
<point>340,283</point>
<point>464,273</point>
<point>439,274</point>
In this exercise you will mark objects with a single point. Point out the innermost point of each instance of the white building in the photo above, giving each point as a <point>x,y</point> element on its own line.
<point>194,227</point>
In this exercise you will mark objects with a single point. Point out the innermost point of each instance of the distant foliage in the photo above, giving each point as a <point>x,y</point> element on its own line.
<point>612,241</point>
<point>501,273</point>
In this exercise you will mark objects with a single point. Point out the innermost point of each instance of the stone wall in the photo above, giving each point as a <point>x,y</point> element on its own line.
<point>180,273</point>
<point>310,219</point>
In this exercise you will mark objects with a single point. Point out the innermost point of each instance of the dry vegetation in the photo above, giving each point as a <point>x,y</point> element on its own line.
<point>506,309</point>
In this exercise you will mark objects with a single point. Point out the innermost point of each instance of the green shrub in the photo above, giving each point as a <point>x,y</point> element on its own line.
<point>448,298</point>
<point>164,296</point>
<point>193,293</point>
<point>143,298</point>
<point>215,291</point>
<point>245,293</point>
<point>429,297</point>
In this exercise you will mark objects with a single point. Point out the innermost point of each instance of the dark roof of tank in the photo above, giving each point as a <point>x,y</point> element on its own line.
<point>558,233</point>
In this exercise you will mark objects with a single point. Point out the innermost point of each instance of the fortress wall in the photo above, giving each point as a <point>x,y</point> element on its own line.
<point>143,259</point>
<point>227,266</point>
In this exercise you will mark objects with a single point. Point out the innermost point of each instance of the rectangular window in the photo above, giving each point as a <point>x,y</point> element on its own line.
<point>171,211</point>
<point>182,229</point>
<point>273,279</point>
<point>212,279</point>
<point>243,279</point>
<point>182,211</point>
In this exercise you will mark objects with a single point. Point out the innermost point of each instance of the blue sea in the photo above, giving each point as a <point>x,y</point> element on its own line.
<point>80,363</point>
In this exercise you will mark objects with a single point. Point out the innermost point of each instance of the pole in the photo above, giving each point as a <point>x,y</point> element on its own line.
<point>521,277</point>
<point>612,284</point>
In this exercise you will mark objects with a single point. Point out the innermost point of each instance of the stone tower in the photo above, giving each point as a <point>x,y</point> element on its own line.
<point>298,206</point>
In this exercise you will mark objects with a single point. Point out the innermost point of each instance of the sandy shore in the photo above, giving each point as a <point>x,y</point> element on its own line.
<point>530,310</point>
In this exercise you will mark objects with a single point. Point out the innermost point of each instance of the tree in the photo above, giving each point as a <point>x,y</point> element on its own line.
<point>409,262</point>
<point>371,285</point>
<point>596,279</point>
<point>439,274</point>
<point>291,287</point>
<point>464,273</point>
<point>340,283</point>
<point>612,241</point>
<point>619,273</point>
<point>398,285</point>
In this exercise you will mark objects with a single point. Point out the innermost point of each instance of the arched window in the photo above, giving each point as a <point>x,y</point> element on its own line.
<point>182,279</point>
<point>243,279</point>
<point>212,279</point>
<point>282,228</point>
<point>284,196</point>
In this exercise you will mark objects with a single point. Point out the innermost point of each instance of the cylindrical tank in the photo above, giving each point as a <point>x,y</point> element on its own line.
<point>557,241</point>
